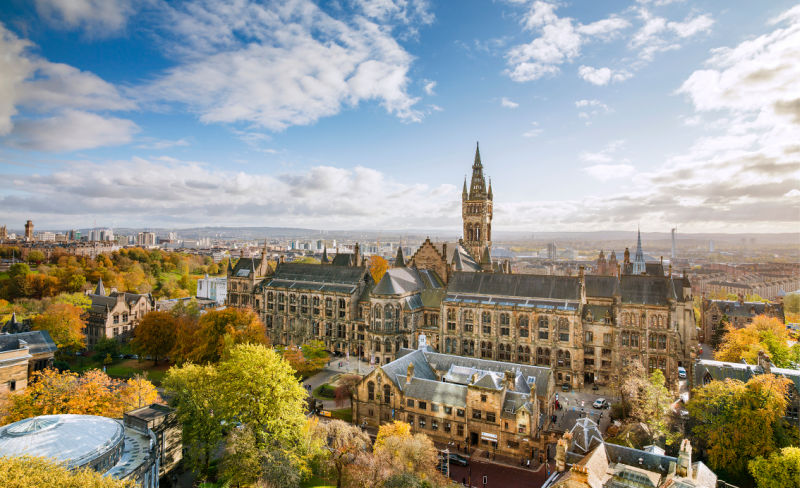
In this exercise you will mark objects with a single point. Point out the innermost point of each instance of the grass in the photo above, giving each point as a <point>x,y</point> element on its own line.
<point>124,368</point>
<point>345,414</point>
<point>317,482</point>
<point>323,392</point>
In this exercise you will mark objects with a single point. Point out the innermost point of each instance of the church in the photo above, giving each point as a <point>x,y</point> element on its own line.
<point>587,328</point>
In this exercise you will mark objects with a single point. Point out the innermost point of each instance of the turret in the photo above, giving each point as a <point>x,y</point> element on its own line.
<point>464,193</point>
<point>325,259</point>
<point>399,261</point>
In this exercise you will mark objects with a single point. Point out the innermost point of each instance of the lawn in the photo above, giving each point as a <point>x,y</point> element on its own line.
<point>345,414</point>
<point>324,392</point>
<point>316,482</point>
<point>124,368</point>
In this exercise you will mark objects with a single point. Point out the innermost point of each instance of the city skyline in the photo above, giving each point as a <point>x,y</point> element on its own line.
<point>365,114</point>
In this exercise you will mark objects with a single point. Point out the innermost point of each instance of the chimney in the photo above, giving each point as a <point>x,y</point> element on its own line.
<point>684,467</point>
<point>561,453</point>
<point>444,251</point>
<point>619,270</point>
<point>764,361</point>
<point>474,378</point>
<point>409,373</point>
<point>356,262</point>
<point>509,380</point>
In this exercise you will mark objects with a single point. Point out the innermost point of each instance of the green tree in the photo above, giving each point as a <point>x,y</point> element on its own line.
<point>36,257</point>
<point>241,461</point>
<point>345,442</point>
<point>779,470</point>
<point>194,394</point>
<point>105,346</point>
<point>738,421</point>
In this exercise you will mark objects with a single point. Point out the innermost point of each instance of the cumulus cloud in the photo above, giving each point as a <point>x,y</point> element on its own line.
<point>602,76</point>
<point>590,109</point>
<point>658,34</point>
<point>97,17</point>
<point>429,87</point>
<point>508,103</point>
<point>533,132</point>
<point>279,65</point>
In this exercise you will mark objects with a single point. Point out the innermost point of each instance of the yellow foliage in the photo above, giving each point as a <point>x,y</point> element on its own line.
<point>395,429</point>
<point>34,472</point>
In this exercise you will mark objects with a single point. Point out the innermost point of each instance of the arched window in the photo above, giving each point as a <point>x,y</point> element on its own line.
<point>523,354</point>
<point>386,393</point>
<point>522,321</point>
<point>387,345</point>
<point>486,317</point>
<point>544,322</point>
<point>447,346</point>
<point>377,345</point>
<point>370,391</point>
<point>486,349</point>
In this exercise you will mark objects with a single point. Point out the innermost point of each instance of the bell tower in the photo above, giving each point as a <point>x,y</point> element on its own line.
<point>476,211</point>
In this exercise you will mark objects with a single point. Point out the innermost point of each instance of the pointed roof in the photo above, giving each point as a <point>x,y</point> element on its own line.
<point>230,266</point>
<point>491,196</point>
<point>639,266</point>
<point>464,193</point>
<point>100,290</point>
<point>325,259</point>
<point>486,257</point>
<point>399,261</point>
<point>477,163</point>
<point>477,188</point>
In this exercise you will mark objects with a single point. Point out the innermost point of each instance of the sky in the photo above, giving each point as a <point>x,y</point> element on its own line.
<point>364,114</point>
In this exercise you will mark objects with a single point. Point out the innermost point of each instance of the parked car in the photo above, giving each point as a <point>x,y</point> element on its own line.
<point>565,387</point>
<point>681,372</point>
<point>601,403</point>
<point>458,459</point>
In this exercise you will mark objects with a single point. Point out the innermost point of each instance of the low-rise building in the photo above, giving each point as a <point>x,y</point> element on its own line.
<point>163,422</point>
<point>215,288</point>
<point>736,312</point>
<point>459,401</point>
<point>21,355</point>
<point>584,460</point>
<point>115,315</point>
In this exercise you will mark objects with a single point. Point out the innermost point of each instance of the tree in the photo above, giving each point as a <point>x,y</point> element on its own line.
<point>63,322</point>
<point>138,392</point>
<point>346,385</point>
<point>779,470</point>
<point>377,267</point>
<point>92,393</point>
<point>344,442</point>
<point>764,333</point>
<point>34,472</point>
<point>79,300</point>
<point>399,429</point>
<point>155,335</point>
<point>238,325</point>
<point>738,421</point>
<point>718,334</point>
<point>105,346</point>
<point>647,400</point>
<point>187,338</point>
<point>37,257</point>
<point>260,391</point>
<point>241,461</point>
<point>410,455</point>
<point>194,395</point>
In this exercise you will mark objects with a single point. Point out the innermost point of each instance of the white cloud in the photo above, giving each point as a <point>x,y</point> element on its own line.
<point>602,76</point>
<point>605,172</point>
<point>605,155</point>
<point>98,17</point>
<point>658,34</point>
<point>72,130</point>
<point>163,144</point>
<point>299,64</point>
<point>507,103</point>
<point>604,27</point>
<point>429,87</point>
<point>590,109</point>
<point>16,67</point>
<point>534,132</point>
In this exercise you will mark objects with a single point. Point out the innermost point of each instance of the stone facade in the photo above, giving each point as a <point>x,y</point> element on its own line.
<point>477,211</point>
<point>22,354</point>
<point>114,316</point>
<point>737,313</point>
<point>164,423</point>
<point>459,401</point>
<point>243,278</point>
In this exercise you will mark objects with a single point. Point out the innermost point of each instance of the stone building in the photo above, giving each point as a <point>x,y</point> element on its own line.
<point>304,302</point>
<point>243,278</point>
<point>29,230</point>
<point>584,460</point>
<point>164,423</point>
<point>736,312</point>
<point>706,371</point>
<point>22,354</point>
<point>464,401</point>
<point>476,212</point>
<point>115,315</point>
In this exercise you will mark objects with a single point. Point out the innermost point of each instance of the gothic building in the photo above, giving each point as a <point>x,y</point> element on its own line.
<point>586,328</point>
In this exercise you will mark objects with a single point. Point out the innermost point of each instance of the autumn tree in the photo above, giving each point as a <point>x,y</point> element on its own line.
<point>35,472</point>
<point>764,333</point>
<point>377,267</point>
<point>345,442</point>
<point>739,421</point>
<point>780,470</point>
<point>64,324</point>
<point>230,326</point>
<point>398,429</point>
<point>345,387</point>
<point>241,460</point>
<point>155,335</point>
<point>92,393</point>
<point>409,455</point>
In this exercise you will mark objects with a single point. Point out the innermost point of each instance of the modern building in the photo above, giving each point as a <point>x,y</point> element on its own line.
<point>459,401</point>
<point>86,441</point>
<point>22,354</point>
<point>584,460</point>
<point>215,288</point>
<point>146,239</point>
<point>163,422</point>
<point>115,315</point>
<point>735,312</point>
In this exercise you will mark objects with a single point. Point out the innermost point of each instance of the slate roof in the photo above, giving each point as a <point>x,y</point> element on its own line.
<point>344,259</point>
<point>436,391</point>
<point>602,286</point>
<point>654,269</point>
<point>402,281</point>
<point>38,341</point>
<point>317,277</point>
<point>720,370</point>
<point>515,285</point>
<point>101,303</point>
<point>245,267</point>
<point>734,308</point>
<point>645,290</point>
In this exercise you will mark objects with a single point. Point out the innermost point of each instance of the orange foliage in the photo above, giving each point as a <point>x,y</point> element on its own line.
<point>377,267</point>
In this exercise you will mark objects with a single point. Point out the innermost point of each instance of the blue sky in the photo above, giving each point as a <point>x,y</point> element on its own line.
<point>364,113</point>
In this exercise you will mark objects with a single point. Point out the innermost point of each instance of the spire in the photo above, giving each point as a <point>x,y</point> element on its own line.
<point>100,290</point>
<point>477,164</point>
<point>464,194</point>
<point>486,258</point>
<point>638,259</point>
<point>477,188</point>
<point>325,259</point>
<point>399,261</point>
<point>230,266</point>
<point>490,189</point>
